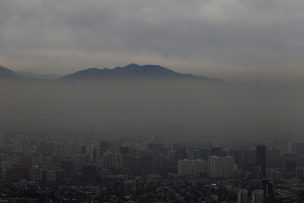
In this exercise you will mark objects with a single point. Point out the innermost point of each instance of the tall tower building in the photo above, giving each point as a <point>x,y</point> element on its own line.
<point>261,158</point>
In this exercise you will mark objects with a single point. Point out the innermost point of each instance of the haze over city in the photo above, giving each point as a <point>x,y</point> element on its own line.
<point>246,55</point>
<point>152,101</point>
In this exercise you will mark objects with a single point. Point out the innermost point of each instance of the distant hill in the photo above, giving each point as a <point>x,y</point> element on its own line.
<point>132,71</point>
<point>6,73</point>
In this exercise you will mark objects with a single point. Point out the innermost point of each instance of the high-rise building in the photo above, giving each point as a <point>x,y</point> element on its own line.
<point>199,166</point>
<point>50,148</point>
<point>188,167</point>
<point>296,148</point>
<point>238,157</point>
<point>184,167</point>
<point>242,196</point>
<point>299,148</point>
<point>261,158</point>
<point>112,160</point>
<point>158,162</point>
<point>156,148</point>
<point>36,174</point>
<point>215,167</point>
<point>220,167</point>
<point>290,164</point>
<point>257,196</point>
<point>196,154</point>
<point>291,148</point>
<point>228,166</point>
<point>268,189</point>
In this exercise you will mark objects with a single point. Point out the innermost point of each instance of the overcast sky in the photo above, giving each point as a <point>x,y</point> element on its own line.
<point>221,38</point>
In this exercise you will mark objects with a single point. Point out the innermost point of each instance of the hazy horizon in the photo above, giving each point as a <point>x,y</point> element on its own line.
<point>254,77</point>
<point>254,45</point>
<point>143,108</point>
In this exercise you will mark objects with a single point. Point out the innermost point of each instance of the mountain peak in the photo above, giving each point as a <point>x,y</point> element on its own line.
<point>133,65</point>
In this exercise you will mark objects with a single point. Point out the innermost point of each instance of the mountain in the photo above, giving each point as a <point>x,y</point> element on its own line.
<point>6,73</point>
<point>132,71</point>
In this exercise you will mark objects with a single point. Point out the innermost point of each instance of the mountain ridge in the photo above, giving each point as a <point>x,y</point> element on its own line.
<point>132,71</point>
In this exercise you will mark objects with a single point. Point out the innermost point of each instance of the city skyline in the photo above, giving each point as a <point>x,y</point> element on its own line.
<point>163,101</point>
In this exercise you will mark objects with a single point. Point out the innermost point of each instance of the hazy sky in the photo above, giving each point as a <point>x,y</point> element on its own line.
<point>221,38</point>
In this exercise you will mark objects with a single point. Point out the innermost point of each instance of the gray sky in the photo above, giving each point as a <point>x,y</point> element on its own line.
<point>253,39</point>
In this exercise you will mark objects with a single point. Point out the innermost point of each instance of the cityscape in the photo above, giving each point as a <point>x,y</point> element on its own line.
<point>151,101</point>
<point>79,170</point>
